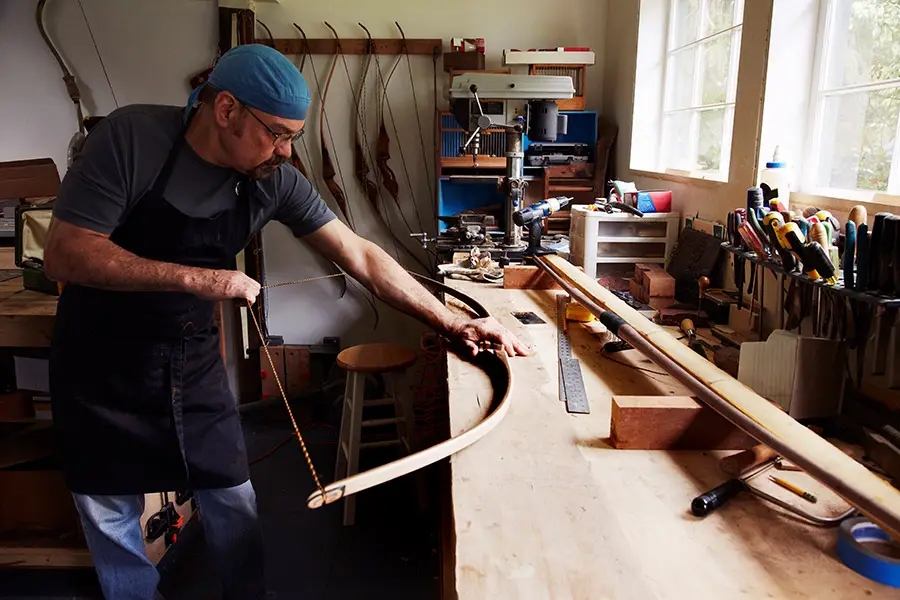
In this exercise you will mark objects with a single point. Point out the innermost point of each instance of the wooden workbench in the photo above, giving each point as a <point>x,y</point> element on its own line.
<point>543,507</point>
<point>26,321</point>
<point>26,316</point>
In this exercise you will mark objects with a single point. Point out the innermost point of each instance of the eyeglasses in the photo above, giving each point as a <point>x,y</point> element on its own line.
<point>277,138</point>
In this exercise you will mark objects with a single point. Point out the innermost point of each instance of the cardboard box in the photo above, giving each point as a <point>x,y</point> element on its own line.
<point>803,375</point>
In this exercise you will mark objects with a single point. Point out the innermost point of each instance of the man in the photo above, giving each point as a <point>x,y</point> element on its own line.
<point>146,227</point>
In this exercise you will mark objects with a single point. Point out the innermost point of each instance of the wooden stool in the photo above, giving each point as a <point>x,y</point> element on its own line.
<point>391,360</point>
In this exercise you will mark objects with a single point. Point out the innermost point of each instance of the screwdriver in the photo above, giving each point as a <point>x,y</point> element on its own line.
<point>771,223</point>
<point>814,258</point>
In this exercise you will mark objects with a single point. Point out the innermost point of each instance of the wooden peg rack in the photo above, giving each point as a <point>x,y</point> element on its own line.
<point>428,47</point>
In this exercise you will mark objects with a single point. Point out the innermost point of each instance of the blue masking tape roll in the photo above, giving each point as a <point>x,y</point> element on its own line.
<point>863,559</point>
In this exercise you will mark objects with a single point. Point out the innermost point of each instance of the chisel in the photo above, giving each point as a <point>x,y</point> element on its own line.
<point>862,257</point>
<point>849,254</point>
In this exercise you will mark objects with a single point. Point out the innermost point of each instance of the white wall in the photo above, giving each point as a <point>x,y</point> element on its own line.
<point>151,49</point>
<point>38,118</point>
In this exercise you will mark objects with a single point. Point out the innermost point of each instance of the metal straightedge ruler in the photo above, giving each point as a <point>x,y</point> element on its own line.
<point>571,381</point>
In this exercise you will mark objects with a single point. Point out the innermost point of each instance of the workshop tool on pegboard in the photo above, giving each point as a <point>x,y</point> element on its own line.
<point>571,380</point>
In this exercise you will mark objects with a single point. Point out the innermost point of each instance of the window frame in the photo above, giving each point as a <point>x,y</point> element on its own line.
<point>696,107</point>
<point>818,95</point>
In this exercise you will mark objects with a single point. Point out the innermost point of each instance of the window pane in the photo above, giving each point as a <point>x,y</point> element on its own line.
<point>677,141</point>
<point>858,132</point>
<point>680,71</point>
<point>716,61</point>
<point>709,148</point>
<point>864,44</point>
<point>720,16</point>
<point>686,22</point>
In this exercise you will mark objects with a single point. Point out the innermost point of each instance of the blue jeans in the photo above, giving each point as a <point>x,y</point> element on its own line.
<point>113,532</point>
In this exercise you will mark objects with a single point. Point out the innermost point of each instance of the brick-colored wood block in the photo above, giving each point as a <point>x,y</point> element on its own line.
<point>658,284</point>
<point>527,277</point>
<point>636,291</point>
<point>672,423</point>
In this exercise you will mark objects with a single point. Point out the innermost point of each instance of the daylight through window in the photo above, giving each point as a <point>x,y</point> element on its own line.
<point>704,38</point>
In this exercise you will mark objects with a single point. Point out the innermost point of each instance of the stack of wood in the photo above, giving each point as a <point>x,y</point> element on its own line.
<point>652,285</point>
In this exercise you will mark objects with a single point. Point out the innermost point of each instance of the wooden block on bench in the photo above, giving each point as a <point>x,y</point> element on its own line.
<point>527,277</point>
<point>658,284</point>
<point>672,423</point>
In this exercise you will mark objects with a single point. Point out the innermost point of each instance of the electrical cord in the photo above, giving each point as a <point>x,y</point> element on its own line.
<point>289,438</point>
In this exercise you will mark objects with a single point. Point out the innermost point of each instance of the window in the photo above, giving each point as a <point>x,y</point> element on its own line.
<point>701,65</point>
<point>856,96</point>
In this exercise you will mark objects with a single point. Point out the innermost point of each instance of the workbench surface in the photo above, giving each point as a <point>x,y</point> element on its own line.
<point>544,507</point>
<point>26,316</point>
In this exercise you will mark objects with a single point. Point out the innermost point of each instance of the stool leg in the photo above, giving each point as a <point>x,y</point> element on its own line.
<point>340,464</point>
<point>404,410</point>
<point>356,409</point>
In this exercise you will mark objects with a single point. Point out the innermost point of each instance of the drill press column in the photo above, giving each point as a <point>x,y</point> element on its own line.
<point>515,181</point>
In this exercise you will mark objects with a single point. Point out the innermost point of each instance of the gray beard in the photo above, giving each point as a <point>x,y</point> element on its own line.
<point>264,169</point>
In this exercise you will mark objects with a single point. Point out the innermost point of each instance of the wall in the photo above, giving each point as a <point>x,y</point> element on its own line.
<point>38,119</point>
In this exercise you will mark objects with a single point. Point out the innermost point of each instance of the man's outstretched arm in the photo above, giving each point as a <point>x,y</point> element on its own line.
<point>377,271</point>
<point>77,255</point>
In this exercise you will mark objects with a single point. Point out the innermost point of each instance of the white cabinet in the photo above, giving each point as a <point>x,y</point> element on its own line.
<point>621,239</point>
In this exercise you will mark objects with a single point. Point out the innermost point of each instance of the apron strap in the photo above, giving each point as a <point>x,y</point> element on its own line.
<point>162,179</point>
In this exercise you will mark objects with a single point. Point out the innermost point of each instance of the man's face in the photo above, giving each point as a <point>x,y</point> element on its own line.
<point>256,142</point>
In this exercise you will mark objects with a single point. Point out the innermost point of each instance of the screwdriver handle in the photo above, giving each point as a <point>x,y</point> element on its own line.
<point>707,502</point>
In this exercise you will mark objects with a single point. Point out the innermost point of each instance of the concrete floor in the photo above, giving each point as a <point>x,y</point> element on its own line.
<point>392,551</point>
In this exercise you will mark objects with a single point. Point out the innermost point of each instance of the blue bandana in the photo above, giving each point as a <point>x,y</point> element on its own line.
<point>261,77</point>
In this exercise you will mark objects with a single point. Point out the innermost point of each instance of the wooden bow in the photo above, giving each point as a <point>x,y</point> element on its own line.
<point>383,147</point>
<point>328,170</point>
<point>495,364</point>
<point>359,158</point>
<point>492,360</point>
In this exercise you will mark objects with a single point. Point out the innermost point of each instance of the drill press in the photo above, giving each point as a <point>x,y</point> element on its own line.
<point>539,120</point>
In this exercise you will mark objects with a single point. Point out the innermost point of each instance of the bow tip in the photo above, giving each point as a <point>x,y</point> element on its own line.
<point>320,498</point>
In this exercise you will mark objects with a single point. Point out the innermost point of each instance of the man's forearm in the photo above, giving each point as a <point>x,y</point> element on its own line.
<point>391,283</point>
<point>98,262</point>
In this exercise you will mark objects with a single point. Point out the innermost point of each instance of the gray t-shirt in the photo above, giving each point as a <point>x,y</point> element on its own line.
<point>124,153</point>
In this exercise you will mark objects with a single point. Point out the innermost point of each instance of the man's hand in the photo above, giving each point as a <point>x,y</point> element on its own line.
<point>377,271</point>
<point>472,331</point>
<point>224,285</point>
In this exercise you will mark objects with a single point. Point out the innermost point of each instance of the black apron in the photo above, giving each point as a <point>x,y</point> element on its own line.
<point>140,396</point>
